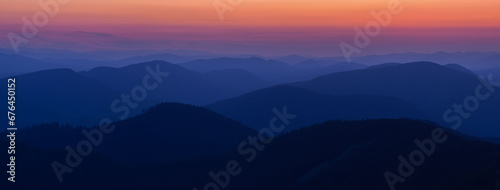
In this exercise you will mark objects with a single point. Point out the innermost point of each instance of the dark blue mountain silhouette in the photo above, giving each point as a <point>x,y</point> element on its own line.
<point>429,86</point>
<point>182,85</point>
<point>494,72</point>
<point>472,59</point>
<point>456,67</point>
<point>255,109</point>
<point>333,68</point>
<point>62,95</point>
<point>168,57</point>
<point>165,133</point>
<point>16,64</point>
<point>291,59</point>
<point>271,71</point>
<point>268,70</point>
<point>84,98</point>
<point>236,78</point>
<point>332,155</point>
<point>356,154</point>
<point>77,64</point>
<point>173,131</point>
<point>460,68</point>
<point>383,65</point>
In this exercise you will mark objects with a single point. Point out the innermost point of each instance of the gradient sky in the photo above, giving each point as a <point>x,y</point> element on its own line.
<point>267,27</point>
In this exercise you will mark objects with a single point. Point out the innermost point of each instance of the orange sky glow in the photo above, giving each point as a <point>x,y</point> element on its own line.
<point>254,26</point>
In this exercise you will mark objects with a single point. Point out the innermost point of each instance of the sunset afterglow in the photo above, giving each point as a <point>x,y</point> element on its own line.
<point>258,26</point>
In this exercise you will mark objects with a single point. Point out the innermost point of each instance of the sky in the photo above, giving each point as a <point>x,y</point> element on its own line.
<point>265,27</point>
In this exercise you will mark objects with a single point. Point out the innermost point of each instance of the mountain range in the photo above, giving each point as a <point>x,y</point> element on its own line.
<point>255,109</point>
<point>419,90</point>
<point>164,133</point>
<point>430,87</point>
<point>334,154</point>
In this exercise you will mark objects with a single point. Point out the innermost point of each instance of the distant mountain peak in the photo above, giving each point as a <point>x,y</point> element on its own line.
<point>422,63</point>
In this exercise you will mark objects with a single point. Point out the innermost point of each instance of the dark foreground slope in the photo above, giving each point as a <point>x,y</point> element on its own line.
<point>332,155</point>
<point>167,132</point>
<point>357,154</point>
